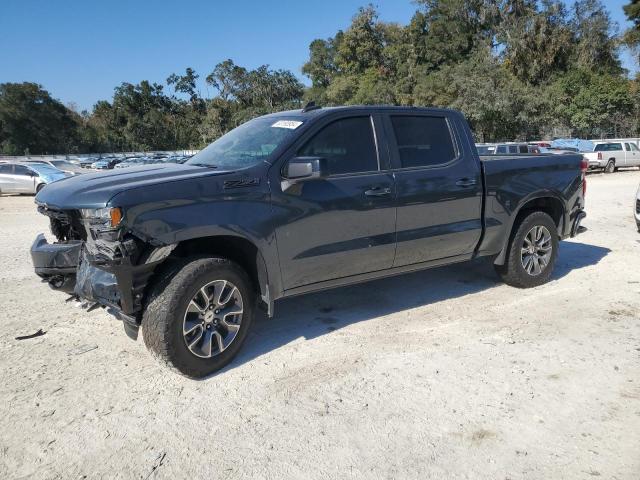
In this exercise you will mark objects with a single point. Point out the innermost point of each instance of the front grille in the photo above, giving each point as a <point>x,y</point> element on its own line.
<point>65,224</point>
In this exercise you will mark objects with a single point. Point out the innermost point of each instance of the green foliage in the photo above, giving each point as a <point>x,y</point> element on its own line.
<point>30,120</point>
<point>632,35</point>
<point>518,69</point>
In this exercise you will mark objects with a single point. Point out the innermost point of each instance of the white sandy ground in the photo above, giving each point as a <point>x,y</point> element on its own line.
<point>440,374</point>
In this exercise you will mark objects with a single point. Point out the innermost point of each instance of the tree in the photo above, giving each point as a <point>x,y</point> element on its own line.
<point>593,104</point>
<point>537,43</point>
<point>361,45</point>
<point>185,84</point>
<point>595,38</point>
<point>30,120</point>
<point>632,35</point>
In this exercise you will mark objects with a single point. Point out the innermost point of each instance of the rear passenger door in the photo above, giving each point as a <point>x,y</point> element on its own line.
<point>439,188</point>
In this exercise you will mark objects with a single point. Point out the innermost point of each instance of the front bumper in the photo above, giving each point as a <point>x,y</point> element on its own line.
<point>56,263</point>
<point>118,285</point>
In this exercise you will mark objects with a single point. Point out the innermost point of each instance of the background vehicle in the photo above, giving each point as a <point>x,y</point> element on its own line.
<point>62,165</point>
<point>297,202</point>
<point>613,155</point>
<point>27,178</point>
<point>506,148</point>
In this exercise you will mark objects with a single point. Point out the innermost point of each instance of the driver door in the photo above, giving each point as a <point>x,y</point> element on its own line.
<point>343,224</point>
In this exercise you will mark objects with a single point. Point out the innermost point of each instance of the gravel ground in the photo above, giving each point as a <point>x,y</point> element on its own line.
<point>439,374</point>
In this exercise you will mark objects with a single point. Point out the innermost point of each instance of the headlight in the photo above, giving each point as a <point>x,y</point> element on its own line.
<point>107,216</point>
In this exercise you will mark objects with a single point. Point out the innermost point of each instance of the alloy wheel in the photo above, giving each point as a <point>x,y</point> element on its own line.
<point>536,250</point>
<point>212,318</point>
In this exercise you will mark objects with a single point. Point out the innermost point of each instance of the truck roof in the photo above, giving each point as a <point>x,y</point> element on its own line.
<point>321,111</point>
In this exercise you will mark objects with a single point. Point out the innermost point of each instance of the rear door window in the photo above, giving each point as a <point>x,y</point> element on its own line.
<point>423,141</point>
<point>501,149</point>
<point>22,170</point>
<point>615,147</point>
<point>348,145</point>
<point>524,148</point>
<point>6,169</point>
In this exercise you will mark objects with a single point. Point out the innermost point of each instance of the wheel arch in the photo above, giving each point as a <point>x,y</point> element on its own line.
<point>239,250</point>
<point>548,203</point>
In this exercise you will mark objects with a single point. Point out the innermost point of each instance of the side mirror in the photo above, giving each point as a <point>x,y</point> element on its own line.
<point>309,168</point>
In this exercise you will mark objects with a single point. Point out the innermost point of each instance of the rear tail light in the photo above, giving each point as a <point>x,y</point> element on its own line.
<point>584,164</point>
<point>599,155</point>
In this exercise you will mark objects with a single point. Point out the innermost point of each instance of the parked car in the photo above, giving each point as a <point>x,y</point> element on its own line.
<point>556,151</point>
<point>130,162</point>
<point>63,165</point>
<point>610,156</point>
<point>27,177</point>
<point>506,148</point>
<point>297,202</point>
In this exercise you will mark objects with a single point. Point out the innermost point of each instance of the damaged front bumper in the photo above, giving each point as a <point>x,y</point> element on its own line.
<point>108,269</point>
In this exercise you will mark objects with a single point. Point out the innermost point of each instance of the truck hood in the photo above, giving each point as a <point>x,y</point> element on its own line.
<point>94,190</point>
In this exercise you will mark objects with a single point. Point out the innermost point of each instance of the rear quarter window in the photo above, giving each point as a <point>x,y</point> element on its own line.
<point>423,141</point>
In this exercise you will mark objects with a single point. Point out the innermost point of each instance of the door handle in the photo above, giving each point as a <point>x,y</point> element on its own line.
<point>466,182</point>
<point>378,192</point>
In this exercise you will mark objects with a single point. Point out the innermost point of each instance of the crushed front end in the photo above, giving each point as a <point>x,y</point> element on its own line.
<point>98,261</point>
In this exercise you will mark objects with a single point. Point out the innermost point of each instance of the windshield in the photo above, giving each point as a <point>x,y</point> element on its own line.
<point>247,145</point>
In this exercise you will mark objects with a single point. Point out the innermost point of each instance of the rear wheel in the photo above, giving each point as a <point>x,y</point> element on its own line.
<point>532,252</point>
<point>197,319</point>
<point>611,166</point>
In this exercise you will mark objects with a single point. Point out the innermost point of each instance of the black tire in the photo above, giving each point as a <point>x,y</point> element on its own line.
<point>162,322</point>
<point>513,271</point>
<point>611,166</point>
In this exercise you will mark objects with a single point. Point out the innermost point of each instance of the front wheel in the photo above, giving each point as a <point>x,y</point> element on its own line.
<point>197,319</point>
<point>532,252</point>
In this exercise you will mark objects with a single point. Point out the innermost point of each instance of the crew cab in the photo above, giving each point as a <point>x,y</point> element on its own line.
<point>297,202</point>
<point>609,156</point>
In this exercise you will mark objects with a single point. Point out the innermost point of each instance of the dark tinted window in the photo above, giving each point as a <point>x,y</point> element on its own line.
<point>21,170</point>
<point>348,145</point>
<point>6,169</point>
<point>423,141</point>
<point>607,147</point>
<point>501,149</point>
<point>524,149</point>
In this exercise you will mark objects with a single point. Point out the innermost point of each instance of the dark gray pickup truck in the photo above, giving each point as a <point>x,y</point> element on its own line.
<point>296,202</point>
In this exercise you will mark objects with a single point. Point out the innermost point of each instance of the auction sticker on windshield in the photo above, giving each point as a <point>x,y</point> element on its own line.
<point>291,124</point>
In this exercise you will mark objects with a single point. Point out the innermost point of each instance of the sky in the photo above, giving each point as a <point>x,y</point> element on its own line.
<point>80,50</point>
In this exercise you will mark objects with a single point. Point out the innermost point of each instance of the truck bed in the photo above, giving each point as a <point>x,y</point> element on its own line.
<point>510,181</point>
